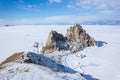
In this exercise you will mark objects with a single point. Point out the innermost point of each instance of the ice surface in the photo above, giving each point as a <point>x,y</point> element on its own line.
<point>102,63</point>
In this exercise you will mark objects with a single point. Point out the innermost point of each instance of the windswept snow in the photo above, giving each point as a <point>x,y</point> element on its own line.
<point>22,71</point>
<point>100,63</point>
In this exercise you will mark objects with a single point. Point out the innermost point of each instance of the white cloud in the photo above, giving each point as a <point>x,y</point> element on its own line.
<point>33,7</point>
<point>57,1</point>
<point>86,2</point>
<point>107,12</point>
<point>97,7</point>
<point>69,6</point>
<point>56,20</point>
<point>29,6</point>
<point>98,4</point>
<point>21,1</point>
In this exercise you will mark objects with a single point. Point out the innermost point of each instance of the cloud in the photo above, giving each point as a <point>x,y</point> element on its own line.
<point>34,6</point>
<point>96,7</point>
<point>57,1</point>
<point>69,6</point>
<point>95,4</point>
<point>29,6</point>
<point>21,1</point>
<point>107,12</point>
<point>26,6</point>
<point>57,20</point>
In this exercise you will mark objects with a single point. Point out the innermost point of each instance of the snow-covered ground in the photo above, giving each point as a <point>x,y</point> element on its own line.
<point>100,63</point>
<point>22,38</point>
<point>22,71</point>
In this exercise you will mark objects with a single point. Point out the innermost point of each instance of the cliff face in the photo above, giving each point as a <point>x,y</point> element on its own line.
<point>55,41</point>
<point>75,34</point>
<point>78,34</point>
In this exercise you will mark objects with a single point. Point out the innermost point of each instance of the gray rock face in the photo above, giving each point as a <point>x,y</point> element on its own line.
<point>75,34</point>
<point>78,34</point>
<point>55,41</point>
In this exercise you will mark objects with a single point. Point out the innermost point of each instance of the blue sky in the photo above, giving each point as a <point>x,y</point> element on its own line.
<point>58,11</point>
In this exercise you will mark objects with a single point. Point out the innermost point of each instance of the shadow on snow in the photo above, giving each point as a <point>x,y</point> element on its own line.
<point>101,43</point>
<point>48,62</point>
<point>89,77</point>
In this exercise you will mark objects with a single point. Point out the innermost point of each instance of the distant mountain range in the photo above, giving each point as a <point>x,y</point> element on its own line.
<point>109,22</point>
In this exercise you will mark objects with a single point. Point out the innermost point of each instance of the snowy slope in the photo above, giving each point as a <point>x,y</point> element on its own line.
<point>22,71</point>
<point>100,63</point>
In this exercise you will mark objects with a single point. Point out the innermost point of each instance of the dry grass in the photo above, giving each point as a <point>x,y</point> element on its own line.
<point>2,67</point>
<point>12,58</point>
<point>17,69</point>
<point>27,70</point>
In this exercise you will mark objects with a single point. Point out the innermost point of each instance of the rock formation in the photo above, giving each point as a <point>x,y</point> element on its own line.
<point>14,57</point>
<point>74,35</point>
<point>55,41</point>
<point>78,34</point>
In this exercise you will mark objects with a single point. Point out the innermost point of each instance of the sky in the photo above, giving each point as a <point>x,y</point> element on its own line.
<point>58,11</point>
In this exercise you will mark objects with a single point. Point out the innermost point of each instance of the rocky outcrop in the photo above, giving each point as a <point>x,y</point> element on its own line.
<point>55,41</point>
<point>14,57</point>
<point>78,34</point>
<point>37,65</point>
<point>76,38</point>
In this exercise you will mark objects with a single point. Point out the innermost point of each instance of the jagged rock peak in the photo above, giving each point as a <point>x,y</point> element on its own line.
<point>78,34</point>
<point>57,36</point>
<point>55,41</point>
<point>74,32</point>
